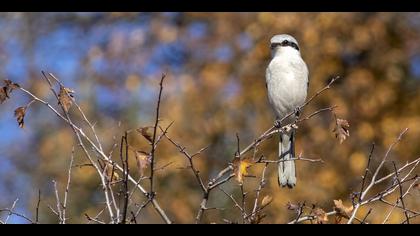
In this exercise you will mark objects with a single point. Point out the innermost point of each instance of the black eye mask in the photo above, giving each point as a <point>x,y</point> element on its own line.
<point>285,43</point>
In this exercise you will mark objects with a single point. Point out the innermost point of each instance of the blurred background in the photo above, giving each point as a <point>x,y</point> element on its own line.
<point>215,87</point>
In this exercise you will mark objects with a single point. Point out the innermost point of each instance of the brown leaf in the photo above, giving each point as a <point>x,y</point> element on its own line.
<point>342,210</point>
<point>320,216</point>
<point>111,173</point>
<point>341,130</point>
<point>7,89</point>
<point>20,115</point>
<point>240,168</point>
<point>4,94</point>
<point>144,131</point>
<point>11,85</point>
<point>266,201</point>
<point>292,207</point>
<point>143,161</point>
<point>65,98</point>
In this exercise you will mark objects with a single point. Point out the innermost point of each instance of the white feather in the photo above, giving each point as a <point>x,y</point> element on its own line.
<point>287,85</point>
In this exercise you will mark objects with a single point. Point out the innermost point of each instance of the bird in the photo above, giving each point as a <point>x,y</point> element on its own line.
<point>287,82</point>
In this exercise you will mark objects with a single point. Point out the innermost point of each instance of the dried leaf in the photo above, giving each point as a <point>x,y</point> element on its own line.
<point>240,168</point>
<point>144,132</point>
<point>320,216</point>
<point>342,210</point>
<point>65,98</point>
<point>20,115</point>
<point>3,94</point>
<point>143,161</point>
<point>111,173</point>
<point>292,207</point>
<point>266,201</point>
<point>7,89</point>
<point>341,130</point>
<point>11,85</point>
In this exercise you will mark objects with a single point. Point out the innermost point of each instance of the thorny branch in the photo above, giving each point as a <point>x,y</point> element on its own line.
<point>80,134</point>
<point>155,127</point>
<point>119,215</point>
<point>380,196</point>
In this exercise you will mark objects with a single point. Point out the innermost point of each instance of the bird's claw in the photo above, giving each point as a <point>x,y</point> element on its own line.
<point>297,111</point>
<point>277,124</point>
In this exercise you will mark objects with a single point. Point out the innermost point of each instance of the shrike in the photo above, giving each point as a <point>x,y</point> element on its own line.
<point>287,84</point>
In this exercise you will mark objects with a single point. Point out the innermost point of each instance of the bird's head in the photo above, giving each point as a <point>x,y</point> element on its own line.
<point>283,43</point>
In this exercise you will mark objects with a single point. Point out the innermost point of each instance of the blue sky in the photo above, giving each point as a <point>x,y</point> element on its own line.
<point>61,50</point>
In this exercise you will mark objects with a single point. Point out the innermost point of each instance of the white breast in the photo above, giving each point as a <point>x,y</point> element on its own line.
<point>287,82</point>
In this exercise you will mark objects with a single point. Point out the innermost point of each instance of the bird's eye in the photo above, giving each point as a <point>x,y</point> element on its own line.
<point>285,43</point>
<point>294,45</point>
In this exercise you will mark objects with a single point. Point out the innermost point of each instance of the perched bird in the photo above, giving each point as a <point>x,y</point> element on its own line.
<point>287,84</point>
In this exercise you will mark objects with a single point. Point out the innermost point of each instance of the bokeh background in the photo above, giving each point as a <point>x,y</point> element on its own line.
<point>215,63</point>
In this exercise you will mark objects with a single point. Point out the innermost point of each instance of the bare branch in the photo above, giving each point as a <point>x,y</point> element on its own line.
<point>11,210</point>
<point>67,186</point>
<point>152,152</point>
<point>372,183</point>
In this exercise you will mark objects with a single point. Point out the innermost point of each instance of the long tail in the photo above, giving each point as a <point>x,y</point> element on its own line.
<point>287,172</point>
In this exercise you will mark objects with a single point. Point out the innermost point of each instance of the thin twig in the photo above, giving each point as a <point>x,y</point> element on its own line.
<point>258,191</point>
<point>67,186</point>
<point>37,207</point>
<point>401,193</point>
<point>126,173</point>
<point>366,216</point>
<point>372,183</point>
<point>366,171</point>
<point>11,210</point>
<point>94,220</point>
<point>152,152</point>
<point>57,198</point>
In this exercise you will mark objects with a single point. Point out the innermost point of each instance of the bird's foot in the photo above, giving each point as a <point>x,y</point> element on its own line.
<point>277,124</point>
<point>297,112</point>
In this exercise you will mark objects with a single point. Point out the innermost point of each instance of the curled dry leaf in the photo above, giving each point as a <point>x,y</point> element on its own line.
<point>65,98</point>
<point>342,210</point>
<point>11,85</point>
<point>144,132</point>
<point>320,216</point>
<point>240,168</point>
<point>266,201</point>
<point>7,89</point>
<point>3,94</point>
<point>111,173</point>
<point>341,129</point>
<point>20,115</point>
<point>143,160</point>
<point>292,207</point>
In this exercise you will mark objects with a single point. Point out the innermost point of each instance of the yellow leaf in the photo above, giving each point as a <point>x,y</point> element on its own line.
<point>240,167</point>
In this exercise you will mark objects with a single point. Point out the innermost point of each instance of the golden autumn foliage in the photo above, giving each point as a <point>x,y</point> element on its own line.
<point>215,88</point>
